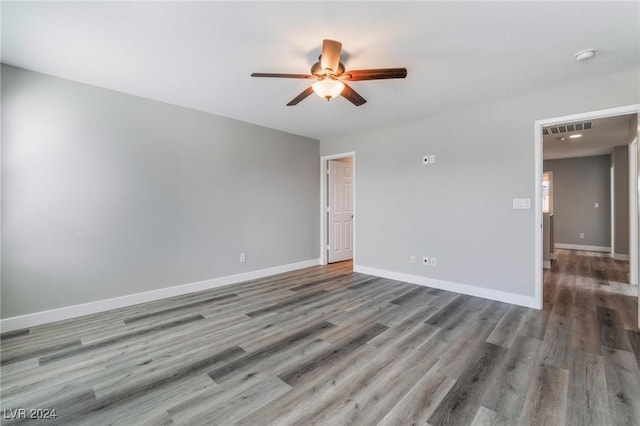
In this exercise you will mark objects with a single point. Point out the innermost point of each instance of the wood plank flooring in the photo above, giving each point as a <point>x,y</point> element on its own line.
<point>328,346</point>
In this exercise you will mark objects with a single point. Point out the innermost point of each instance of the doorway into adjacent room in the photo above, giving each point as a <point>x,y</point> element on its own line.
<point>338,208</point>
<point>587,218</point>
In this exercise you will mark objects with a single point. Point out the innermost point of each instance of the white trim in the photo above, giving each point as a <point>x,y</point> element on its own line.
<point>538,217</point>
<point>485,293</point>
<point>323,202</point>
<point>68,312</point>
<point>612,192</point>
<point>546,264</point>
<point>621,256</point>
<point>538,125</point>
<point>633,213</point>
<point>601,249</point>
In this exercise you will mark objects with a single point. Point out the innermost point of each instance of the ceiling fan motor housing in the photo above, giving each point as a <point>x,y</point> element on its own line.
<point>316,69</point>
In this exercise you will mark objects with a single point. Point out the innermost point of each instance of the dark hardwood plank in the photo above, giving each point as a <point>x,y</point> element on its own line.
<point>587,402</point>
<point>534,323</point>
<point>627,308</point>
<point>508,394</point>
<point>313,391</point>
<point>547,397</point>
<point>556,344</point>
<point>15,333</point>
<point>233,409</point>
<point>585,320</point>
<point>286,303</point>
<point>634,339</point>
<point>466,349</point>
<point>612,332</point>
<point>337,351</point>
<point>419,403</point>
<point>453,312</point>
<point>369,394</point>
<point>226,370</point>
<point>418,308</point>
<point>486,417</point>
<point>415,293</point>
<point>623,386</point>
<point>460,404</point>
<point>73,350</point>
<point>507,329</point>
<point>41,352</point>
<point>177,308</point>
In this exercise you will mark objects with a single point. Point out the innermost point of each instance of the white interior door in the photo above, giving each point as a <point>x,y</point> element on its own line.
<point>340,209</point>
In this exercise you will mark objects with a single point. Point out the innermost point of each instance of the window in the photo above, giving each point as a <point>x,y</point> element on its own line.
<point>547,192</point>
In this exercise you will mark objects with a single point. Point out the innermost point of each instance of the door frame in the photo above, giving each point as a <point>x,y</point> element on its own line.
<point>634,211</point>
<point>633,192</point>
<point>324,166</point>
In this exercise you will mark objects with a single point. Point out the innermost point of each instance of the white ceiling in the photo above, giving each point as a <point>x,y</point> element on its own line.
<point>605,134</point>
<point>200,54</point>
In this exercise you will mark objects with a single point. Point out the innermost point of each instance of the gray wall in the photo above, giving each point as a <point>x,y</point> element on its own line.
<point>460,209</point>
<point>106,194</point>
<point>620,159</point>
<point>578,183</point>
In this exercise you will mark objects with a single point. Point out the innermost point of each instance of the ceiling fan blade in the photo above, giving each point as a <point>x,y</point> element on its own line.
<point>268,74</point>
<point>352,96</point>
<point>374,74</point>
<point>330,58</point>
<point>301,96</point>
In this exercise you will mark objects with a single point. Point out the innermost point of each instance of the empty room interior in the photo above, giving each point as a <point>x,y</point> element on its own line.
<point>320,213</point>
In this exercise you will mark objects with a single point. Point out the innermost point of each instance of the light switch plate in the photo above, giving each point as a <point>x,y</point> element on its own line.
<point>522,203</point>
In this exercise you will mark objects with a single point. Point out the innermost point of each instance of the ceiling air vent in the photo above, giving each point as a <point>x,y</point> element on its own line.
<point>564,128</point>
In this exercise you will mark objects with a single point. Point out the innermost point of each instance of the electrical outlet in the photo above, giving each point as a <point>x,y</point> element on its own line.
<point>582,235</point>
<point>432,159</point>
<point>425,261</point>
<point>596,205</point>
<point>413,259</point>
<point>243,257</point>
<point>433,261</point>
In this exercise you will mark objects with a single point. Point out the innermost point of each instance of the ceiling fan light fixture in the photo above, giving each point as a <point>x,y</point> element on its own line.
<point>328,88</point>
<point>328,74</point>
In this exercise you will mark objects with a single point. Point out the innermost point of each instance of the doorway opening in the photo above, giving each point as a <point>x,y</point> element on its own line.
<point>337,208</point>
<point>563,132</point>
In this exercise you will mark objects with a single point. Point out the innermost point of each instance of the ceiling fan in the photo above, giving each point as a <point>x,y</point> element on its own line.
<point>330,76</point>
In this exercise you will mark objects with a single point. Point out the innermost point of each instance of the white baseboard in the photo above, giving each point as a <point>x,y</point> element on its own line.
<point>68,312</point>
<point>621,256</point>
<point>485,293</point>
<point>546,264</point>
<point>584,248</point>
